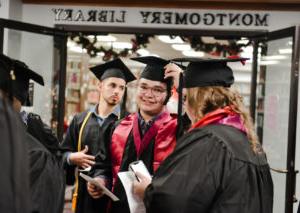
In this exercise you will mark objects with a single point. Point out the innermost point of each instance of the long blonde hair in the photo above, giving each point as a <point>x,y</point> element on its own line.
<point>202,100</point>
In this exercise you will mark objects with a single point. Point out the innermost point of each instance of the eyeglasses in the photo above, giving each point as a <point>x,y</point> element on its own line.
<point>156,91</point>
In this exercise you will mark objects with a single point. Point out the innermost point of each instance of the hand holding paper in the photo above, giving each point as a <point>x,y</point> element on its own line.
<point>102,187</point>
<point>140,186</point>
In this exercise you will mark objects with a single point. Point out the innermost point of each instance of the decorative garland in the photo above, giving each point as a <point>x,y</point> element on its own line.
<point>142,40</point>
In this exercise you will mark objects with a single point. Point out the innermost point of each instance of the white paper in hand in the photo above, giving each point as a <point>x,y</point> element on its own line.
<point>96,183</point>
<point>136,204</point>
<point>139,166</point>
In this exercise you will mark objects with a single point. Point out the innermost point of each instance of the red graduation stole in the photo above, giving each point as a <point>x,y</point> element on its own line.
<point>163,129</point>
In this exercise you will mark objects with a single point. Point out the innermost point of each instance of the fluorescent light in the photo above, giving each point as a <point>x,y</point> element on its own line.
<point>192,53</point>
<point>103,37</point>
<point>122,45</point>
<point>285,51</point>
<point>71,44</point>
<point>106,38</point>
<point>273,57</point>
<point>77,49</point>
<point>143,52</point>
<point>181,47</point>
<point>169,40</point>
<point>100,54</point>
<point>243,41</point>
<point>268,62</point>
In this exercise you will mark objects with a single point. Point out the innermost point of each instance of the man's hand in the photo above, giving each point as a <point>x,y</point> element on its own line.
<point>140,187</point>
<point>93,190</point>
<point>81,159</point>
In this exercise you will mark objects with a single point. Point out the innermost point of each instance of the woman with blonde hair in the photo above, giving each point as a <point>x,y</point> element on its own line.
<point>219,165</point>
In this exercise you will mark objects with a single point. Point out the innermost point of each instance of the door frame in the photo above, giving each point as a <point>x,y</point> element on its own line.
<point>290,171</point>
<point>56,33</point>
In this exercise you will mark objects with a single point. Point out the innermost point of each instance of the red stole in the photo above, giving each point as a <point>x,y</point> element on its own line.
<point>163,130</point>
<point>214,117</point>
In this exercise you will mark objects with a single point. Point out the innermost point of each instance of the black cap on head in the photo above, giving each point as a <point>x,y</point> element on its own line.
<point>20,75</point>
<point>154,69</point>
<point>208,72</point>
<point>115,68</point>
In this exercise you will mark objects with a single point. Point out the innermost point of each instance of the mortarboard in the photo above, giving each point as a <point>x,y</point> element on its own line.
<point>202,72</point>
<point>115,68</point>
<point>154,69</point>
<point>20,75</point>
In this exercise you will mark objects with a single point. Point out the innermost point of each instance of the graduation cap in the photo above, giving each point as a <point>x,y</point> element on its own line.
<point>115,68</point>
<point>154,69</point>
<point>19,75</point>
<point>202,72</point>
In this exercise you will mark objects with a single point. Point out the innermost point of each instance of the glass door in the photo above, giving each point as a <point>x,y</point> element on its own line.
<point>43,49</point>
<point>276,110</point>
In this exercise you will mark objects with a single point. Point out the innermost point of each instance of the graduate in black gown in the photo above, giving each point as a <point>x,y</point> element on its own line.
<point>94,126</point>
<point>45,167</point>
<point>14,178</point>
<point>218,166</point>
<point>148,135</point>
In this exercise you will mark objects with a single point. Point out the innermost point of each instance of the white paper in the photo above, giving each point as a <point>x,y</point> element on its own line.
<point>96,183</point>
<point>139,166</point>
<point>136,204</point>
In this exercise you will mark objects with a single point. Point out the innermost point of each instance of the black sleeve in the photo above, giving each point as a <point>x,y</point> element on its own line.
<point>69,144</point>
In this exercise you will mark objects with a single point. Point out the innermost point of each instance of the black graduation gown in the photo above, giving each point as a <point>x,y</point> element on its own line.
<point>93,135</point>
<point>14,175</point>
<point>46,178</point>
<point>212,170</point>
<point>43,134</point>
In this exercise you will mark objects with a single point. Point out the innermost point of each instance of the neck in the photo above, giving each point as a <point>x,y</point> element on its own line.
<point>146,116</point>
<point>104,109</point>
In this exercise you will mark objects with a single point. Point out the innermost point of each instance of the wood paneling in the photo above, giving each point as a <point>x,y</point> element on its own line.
<point>282,5</point>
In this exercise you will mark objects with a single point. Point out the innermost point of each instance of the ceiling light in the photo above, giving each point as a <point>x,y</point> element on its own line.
<point>143,52</point>
<point>100,54</point>
<point>268,62</point>
<point>285,51</point>
<point>169,40</point>
<point>71,44</point>
<point>181,47</point>
<point>77,49</point>
<point>122,45</point>
<point>273,57</point>
<point>192,53</point>
<point>106,38</point>
<point>103,37</point>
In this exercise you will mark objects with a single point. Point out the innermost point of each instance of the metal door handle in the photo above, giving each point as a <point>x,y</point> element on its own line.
<point>282,171</point>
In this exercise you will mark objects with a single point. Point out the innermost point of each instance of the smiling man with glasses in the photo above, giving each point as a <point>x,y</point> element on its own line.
<point>148,135</point>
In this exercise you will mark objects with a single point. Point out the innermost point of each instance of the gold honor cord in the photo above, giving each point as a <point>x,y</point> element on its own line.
<point>75,194</point>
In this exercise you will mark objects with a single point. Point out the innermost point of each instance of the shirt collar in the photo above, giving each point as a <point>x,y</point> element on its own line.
<point>116,111</point>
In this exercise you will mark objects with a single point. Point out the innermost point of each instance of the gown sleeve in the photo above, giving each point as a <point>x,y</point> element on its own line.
<point>68,145</point>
